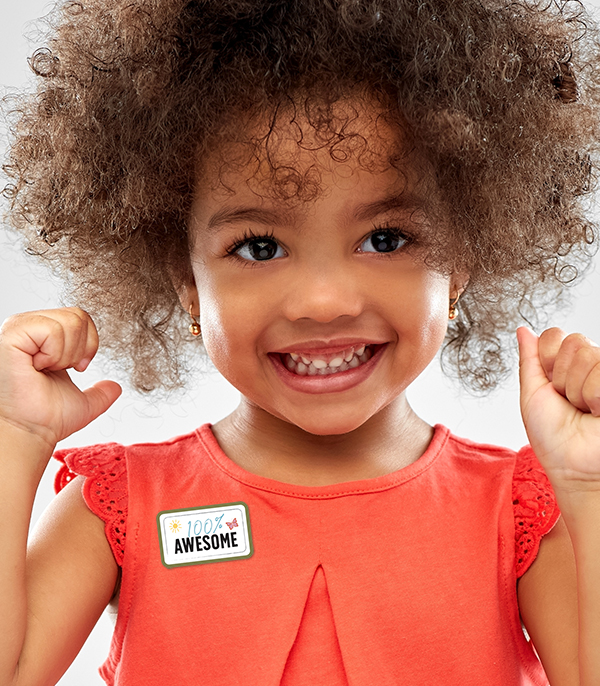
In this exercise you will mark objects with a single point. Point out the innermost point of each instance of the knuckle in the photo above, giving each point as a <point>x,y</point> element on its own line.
<point>9,323</point>
<point>552,332</point>
<point>575,340</point>
<point>16,320</point>
<point>587,354</point>
<point>81,314</point>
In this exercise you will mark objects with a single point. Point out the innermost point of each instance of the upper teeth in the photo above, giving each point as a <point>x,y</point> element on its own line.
<point>343,358</point>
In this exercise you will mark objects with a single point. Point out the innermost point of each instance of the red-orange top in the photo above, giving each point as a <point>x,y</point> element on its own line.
<point>408,578</point>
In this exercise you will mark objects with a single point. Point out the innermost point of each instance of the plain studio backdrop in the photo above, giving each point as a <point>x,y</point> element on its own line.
<point>25,286</point>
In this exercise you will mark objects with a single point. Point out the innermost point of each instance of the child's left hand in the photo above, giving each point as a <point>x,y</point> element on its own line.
<point>560,404</point>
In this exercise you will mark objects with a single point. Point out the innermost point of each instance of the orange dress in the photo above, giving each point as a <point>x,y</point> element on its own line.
<point>408,578</point>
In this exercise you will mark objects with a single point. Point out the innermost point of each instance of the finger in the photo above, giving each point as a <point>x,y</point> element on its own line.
<point>550,342</point>
<point>76,325</point>
<point>90,347</point>
<point>100,397</point>
<point>43,338</point>
<point>74,322</point>
<point>532,375</point>
<point>53,339</point>
<point>81,345</point>
<point>66,341</point>
<point>565,358</point>
<point>591,390</point>
<point>582,385</point>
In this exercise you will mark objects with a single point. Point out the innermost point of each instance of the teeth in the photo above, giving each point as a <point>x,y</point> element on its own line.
<point>350,359</point>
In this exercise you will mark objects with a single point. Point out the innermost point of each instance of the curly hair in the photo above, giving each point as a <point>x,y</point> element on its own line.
<point>500,98</point>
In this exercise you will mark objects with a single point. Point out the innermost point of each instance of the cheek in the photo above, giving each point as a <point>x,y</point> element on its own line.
<point>427,307</point>
<point>228,321</point>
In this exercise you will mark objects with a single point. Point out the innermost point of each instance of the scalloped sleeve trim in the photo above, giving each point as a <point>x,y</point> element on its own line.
<point>105,487</point>
<point>534,506</point>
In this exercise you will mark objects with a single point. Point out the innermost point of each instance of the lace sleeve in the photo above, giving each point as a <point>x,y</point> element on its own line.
<point>104,489</point>
<point>534,507</point>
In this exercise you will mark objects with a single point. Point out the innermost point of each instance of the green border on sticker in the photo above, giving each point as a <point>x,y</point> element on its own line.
<point>204,562</point>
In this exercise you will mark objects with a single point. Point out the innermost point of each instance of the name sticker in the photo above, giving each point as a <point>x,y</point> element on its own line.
<point>204,534</point>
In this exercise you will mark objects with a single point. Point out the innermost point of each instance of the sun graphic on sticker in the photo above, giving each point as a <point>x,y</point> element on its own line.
<point>175,526</point>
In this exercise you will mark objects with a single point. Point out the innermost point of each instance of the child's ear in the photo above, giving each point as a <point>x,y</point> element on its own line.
<point>458,284</point>
<point>188,297</point>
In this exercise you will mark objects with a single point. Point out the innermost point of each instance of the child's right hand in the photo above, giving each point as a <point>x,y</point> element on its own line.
<point>36,394</point>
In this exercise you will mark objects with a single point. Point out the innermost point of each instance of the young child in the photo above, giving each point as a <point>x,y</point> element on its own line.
<point>324,192</point>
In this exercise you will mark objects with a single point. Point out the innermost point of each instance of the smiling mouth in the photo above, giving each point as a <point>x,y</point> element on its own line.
<point>306,364</point>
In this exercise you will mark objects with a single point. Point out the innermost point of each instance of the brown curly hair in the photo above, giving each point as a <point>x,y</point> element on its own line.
<point>499,97</point>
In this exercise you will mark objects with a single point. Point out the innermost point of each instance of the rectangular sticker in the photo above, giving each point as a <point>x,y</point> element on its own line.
<point>194,536</point>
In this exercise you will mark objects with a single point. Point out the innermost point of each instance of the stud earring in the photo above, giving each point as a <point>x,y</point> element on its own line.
<point>452,312</point>
<point>194,327</point>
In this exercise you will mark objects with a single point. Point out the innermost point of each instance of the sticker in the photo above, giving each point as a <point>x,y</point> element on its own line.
<point>195,536</point>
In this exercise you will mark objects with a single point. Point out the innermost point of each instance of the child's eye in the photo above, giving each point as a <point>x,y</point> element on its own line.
<point>383,240</point>
<point>258,249</point>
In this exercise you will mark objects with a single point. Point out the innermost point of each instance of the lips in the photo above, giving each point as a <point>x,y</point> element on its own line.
<point>329,375</point>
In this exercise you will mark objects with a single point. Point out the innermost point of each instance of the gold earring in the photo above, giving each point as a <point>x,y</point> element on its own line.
<point>194,326</point>
<point>452,313</point>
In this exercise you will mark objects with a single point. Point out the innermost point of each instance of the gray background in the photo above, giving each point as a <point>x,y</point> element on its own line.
<point>25,286</point>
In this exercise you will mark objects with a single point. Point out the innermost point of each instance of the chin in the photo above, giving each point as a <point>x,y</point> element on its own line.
<point>328,426</point>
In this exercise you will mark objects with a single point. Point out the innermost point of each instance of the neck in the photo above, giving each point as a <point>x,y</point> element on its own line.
<point>268,446</point>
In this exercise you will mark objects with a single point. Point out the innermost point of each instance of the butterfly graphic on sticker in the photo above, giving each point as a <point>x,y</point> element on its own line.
<point>232,524</point>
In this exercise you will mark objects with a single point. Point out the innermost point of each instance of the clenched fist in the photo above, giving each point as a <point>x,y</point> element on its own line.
<point>560,404</point>
<point>36,392</point>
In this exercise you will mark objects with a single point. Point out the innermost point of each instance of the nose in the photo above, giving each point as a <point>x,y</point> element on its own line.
<point>323,292</point>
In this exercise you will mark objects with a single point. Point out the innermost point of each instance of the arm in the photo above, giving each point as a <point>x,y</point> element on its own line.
<point>55,584</point>
<point>547,595</point>
<point>70,577</point>
<point>581,510</point>
<point>560,402</point>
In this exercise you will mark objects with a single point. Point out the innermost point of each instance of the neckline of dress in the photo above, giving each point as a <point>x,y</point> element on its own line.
<point>439,439</point>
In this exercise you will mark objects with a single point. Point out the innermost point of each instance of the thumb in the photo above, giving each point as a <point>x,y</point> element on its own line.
<point>100,397</point>
<point>531,373</point>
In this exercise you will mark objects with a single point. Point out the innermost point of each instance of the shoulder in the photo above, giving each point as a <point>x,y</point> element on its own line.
<point>104,471</point>
<point>544,559</point>
<point>481,453</point>
<point>519,480</point>
<point>110,460</point>
<point>534,505</point>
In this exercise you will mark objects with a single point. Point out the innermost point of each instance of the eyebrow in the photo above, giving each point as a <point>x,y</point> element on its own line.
<point>227,215</point>
<point>365,211</point>
<point>402,201</point>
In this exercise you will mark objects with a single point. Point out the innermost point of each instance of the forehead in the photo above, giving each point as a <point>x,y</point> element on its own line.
<point>294,156</point>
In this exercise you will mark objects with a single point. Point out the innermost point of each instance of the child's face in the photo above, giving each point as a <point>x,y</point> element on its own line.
<point>327,278</point>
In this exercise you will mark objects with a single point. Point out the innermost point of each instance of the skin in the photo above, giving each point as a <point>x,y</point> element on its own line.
<point>325,284</point>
